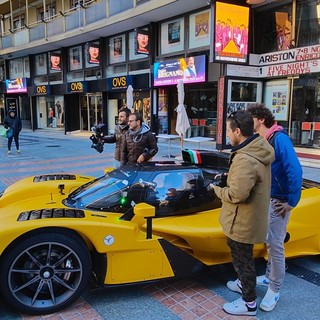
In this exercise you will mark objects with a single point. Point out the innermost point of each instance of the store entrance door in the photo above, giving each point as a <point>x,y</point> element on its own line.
<point>91,110</point>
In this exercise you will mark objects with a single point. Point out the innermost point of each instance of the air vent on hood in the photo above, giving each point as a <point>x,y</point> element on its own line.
<point>48,177</point>
<point>50,213</point>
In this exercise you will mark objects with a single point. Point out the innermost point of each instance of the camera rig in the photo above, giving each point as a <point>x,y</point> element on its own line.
<point>97,137</point>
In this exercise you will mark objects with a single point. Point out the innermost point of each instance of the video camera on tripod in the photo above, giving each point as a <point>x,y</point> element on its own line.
<point>97,138</point>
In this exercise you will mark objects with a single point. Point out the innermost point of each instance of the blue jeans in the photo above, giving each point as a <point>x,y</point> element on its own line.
<point>277,229</point>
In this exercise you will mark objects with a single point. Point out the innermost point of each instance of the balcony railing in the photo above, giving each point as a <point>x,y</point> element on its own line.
<point>76,18</point>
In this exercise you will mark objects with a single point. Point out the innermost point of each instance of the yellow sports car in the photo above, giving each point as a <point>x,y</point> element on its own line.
<point>134,224</point>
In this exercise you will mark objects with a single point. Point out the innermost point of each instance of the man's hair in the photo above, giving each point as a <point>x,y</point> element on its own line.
<point>126,111</point>
<point>242,120</point>
<point>138,116</point>
<point>261,112</point>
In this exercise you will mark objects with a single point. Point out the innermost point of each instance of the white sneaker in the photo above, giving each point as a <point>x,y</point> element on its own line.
<point>262,281</point>
<point>269,301</point>
<point>235,286</point>
<point>239,307</point>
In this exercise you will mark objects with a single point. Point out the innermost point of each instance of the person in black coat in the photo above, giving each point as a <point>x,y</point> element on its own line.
<point>13,122</point>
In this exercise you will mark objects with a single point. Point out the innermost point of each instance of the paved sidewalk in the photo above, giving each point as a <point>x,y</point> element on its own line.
<point>51,151</point>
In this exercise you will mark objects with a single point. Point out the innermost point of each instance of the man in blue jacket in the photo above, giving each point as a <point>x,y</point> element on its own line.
<point>286,186</point>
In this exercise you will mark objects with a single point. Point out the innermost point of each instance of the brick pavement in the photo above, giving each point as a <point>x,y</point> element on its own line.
<point>186,299</point>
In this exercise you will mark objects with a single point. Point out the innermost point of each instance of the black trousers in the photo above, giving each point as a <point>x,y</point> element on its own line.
<point>16,141</point>
<point>244,265</point>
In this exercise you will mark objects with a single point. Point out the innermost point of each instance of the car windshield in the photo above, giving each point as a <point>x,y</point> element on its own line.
<point>104,194</point>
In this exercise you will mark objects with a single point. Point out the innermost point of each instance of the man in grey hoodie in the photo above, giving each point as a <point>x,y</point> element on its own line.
<point>140,144</point>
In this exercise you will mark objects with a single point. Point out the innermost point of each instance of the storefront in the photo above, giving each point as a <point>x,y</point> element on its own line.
<point>117,97</point>
<point>16,98</point>
<point>200,95</point>
<point>292,92</point>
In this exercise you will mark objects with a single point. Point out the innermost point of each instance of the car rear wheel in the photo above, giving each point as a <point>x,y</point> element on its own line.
<point>45,272</point>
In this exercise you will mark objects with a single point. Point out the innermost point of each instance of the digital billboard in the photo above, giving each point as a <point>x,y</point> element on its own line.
<point>16,85</point>
<point>191,70</point>
<point>231,33</point>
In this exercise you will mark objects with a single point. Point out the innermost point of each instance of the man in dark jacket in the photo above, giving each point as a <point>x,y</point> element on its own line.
<point>13,122</point>
<point>119,134</point>
<point>140,144</point>
<point>286,187</point>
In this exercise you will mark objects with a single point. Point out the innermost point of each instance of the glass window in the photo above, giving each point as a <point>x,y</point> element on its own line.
<point>26,66</point>
<point>55,62</point>
<point>199,29</point>
<point>308,27</point>
<point>75,58</point>
<point>16,68</point>
<point>132,49</point>
<point>172,36</point>
<point>273,29</point>
<point>92,53</point>
<point>117,6</point>
<point>41,64</point>
<point>117,49</point>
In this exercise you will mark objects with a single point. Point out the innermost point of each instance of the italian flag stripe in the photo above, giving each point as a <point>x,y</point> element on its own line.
<point>195,156</point>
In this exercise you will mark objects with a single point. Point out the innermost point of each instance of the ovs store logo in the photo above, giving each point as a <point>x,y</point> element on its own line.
<point>119,82</point>
<point>41,90</point>
<point>76,87</point>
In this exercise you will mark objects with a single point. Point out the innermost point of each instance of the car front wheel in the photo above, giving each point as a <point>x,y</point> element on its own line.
<point>45,272</point>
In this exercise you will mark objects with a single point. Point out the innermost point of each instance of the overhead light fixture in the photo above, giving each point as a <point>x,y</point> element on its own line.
<point>255,1</point>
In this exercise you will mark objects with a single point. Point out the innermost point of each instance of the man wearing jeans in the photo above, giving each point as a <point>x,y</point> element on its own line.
<point>285,194</point>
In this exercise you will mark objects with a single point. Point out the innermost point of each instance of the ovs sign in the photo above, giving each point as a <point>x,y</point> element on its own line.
<point>117,83</point>
<point>42,90</point>
<point>75,87</point>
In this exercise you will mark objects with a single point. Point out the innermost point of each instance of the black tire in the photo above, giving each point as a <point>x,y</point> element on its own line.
<point>45,272</point>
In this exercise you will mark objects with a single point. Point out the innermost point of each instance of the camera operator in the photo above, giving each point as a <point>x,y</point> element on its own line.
<point>140,144</point>
<point>119,134</point>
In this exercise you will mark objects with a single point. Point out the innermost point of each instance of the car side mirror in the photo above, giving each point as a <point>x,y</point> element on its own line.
<point>146,211</point>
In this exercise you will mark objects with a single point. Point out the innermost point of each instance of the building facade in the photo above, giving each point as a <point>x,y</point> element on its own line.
<point>67,65</point>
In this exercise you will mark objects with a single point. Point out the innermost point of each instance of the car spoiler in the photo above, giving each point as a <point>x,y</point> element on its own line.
<point>212,159</point>
<point>307,184</point>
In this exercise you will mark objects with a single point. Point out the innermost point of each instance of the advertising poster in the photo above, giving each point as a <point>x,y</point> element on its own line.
<point>117,49</point>
<point>55,61</point>
<point>16,85</point>
<point>231,33</point>
<point>199,29</point>
<point>172,36</point>
<point>191,70</point>
<point>93,53</point>
<point>142,42</point>
<point>277,98</point>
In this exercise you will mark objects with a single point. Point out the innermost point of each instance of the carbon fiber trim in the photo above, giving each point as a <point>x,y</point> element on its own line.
<point>181,262</point>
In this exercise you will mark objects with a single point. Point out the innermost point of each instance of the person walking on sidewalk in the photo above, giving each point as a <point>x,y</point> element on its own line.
<point>140,144</point>
<point>13,122</point>
<point>286,186</point>
<point>245,200</point>
<point>119,134</point>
